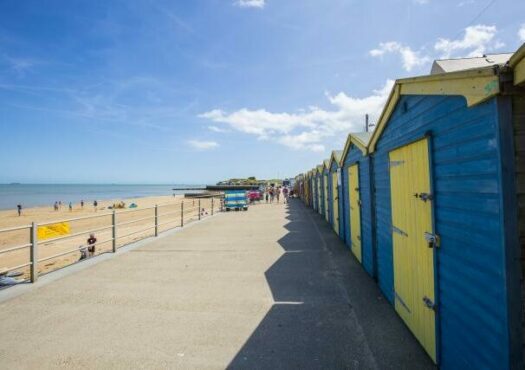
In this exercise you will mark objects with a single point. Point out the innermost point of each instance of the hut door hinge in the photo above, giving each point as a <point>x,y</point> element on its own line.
<point>424,196</point>
<point>429,303</point>
<point>433,240</point>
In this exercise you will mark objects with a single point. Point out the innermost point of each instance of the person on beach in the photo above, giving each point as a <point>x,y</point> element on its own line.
<point>267,194</point>
<point>278,194</point>
<point>55,206</point>
<point>82,204</point>
<point>95,205</point>
<point>271,194</point>
<point>92,241</point>
<point>70,207</point>
<point>19,209</point>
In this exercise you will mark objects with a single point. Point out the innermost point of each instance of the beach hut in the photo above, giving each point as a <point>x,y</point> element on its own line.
<point>315,196</point>
<point>313,181</point>
<point>334,180</point>
<point>446,172</point>
<point>308,189</point>
<point>319,187</point>
<point>356,180</point>
<point>324,177</point>
<point>517,65</point>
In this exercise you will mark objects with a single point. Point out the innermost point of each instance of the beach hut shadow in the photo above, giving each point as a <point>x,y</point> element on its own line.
<point>312,323</point>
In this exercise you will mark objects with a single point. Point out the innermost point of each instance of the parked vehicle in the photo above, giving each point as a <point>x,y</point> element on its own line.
<point>235,200</point>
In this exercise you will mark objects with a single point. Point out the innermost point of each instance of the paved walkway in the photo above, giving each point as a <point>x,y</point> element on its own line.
<point>269,288</point>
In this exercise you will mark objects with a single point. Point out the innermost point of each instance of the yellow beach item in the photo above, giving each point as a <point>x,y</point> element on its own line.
<point>53,230</point>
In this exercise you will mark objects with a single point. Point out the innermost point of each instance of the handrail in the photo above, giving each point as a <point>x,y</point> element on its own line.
<point>17,267</point>
<point>182,213</point>
<point>137,220</point>
<point>15,248</point>
<point>72,251</point>
<point>15,228</point>
<point>169,222</point>
<point>137,232</point>
<point>134,210</point>
<point>74,219</point>
<point>75,234</point>
<point>169,213</point>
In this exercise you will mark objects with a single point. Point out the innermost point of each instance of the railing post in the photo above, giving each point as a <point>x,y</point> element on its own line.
<point>156,220</point>
<point>114,231</point>
<point>199,209</point>
<point>34,252</point>
<point>182,213</point>
<point>212,198</point>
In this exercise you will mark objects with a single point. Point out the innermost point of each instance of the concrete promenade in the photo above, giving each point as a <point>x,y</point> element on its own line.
<point>271,288</point>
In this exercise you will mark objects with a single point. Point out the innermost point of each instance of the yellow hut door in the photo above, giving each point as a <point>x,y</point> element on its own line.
<point>319,197</point>
<point>355,210</point>
<point>335,203</point>
<point>413,241</point>
<point>326,197</point>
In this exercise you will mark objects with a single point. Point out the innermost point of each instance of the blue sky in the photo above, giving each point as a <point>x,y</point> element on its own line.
<point>198,91</point>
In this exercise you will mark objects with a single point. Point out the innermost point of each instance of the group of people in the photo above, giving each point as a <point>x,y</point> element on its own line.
<point>273,193</point>
<point>58,205</point>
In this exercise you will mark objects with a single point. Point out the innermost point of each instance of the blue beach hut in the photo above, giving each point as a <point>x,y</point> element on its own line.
<point>446,160</point>
<point>356,180</point>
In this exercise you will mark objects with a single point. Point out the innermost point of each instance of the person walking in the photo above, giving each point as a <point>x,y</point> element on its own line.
<point>55,206</point>
<point>278,194</point>
<point>271,194</point>
<point>19,209</point>
<point>92,241</point>
<point>267,194</point>
<point>285,195</point>
<point>95,205</point>
<point>70,207</point>
<point>82,204</point>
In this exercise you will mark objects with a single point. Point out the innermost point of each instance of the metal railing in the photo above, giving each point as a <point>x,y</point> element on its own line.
<point>183,215</point>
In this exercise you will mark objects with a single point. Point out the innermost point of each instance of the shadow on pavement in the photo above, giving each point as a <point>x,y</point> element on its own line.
<point>328,312</point>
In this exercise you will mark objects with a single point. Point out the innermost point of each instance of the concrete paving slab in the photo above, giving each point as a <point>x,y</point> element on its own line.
<point>269,288</point>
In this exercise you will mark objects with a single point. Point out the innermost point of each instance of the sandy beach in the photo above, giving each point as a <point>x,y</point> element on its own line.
<point>139,222</point>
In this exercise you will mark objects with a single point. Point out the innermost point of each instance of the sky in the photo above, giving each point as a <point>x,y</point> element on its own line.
<point>203,90</point>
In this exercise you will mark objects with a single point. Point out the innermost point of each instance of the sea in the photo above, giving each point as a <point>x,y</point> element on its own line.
<point>34,195</point>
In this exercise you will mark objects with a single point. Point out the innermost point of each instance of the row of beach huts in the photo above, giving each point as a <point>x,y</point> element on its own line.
<point>432,204</point>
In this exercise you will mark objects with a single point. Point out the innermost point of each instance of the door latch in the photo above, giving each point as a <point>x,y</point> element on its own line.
<point>429,303</point>
<point>433,240</point>
<point>424,196</point>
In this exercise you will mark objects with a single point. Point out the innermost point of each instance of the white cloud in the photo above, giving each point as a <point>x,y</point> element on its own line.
<point>203,145</point>
<point>308,128</point>
<point>421,2</point>
<point>251,3</point>
<point>476,41</point>
<point>521,32</point>
<point>217,129</point>
<point>410,58</point>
